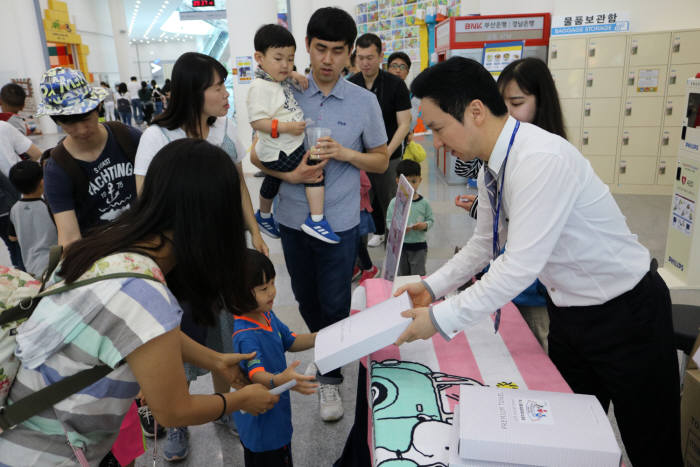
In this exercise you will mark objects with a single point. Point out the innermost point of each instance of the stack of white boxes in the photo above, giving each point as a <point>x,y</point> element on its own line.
<point>629,130</point>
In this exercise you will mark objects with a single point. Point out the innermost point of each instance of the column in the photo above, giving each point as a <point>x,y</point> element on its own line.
<point>243,21</point>
<point>121,39</point>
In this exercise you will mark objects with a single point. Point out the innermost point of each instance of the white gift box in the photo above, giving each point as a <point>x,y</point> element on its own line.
<point>361,334</point>
<point>535,428</point>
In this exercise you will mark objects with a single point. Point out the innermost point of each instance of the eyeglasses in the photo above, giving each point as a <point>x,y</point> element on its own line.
<point>398,66</point>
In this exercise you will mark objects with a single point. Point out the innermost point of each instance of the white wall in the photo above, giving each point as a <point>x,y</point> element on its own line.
<point>167,52</point>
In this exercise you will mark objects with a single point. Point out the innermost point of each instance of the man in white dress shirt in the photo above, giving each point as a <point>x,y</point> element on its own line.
<point>611,332</point>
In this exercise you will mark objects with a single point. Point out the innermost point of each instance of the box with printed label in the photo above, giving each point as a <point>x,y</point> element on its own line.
<point>535,428</point>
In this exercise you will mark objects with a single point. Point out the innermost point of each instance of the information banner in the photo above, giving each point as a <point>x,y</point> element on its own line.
<point>244,66</point>
<point>497,56</point>
<point>591,22</point>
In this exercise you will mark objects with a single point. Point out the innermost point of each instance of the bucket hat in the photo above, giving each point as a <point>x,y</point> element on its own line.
<point>65,91</point>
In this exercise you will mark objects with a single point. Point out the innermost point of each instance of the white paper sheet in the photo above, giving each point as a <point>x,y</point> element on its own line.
<point>361,334</point>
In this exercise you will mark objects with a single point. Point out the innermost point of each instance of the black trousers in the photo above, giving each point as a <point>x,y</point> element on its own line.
<point>623,352</point>
<point>281,457</point>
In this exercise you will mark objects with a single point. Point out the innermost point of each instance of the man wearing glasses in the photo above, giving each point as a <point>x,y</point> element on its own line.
<point>395,102</point>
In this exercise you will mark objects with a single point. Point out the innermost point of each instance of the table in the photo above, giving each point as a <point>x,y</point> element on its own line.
<point>409,393</point>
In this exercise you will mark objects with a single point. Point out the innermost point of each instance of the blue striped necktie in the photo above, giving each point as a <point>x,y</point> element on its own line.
<point>492,189</point>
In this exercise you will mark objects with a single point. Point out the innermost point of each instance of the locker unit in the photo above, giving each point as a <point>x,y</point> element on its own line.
<point>571,110</point>
<point>684,47</point>
<point>569,83</point>
<point>637,171</point>
<point>642,111</point>
<point>606,51</point>
<point>670,140</point>
<point>674,110</point>
<point>640,141</point>
<point>601,112</point>
<point>645,81</point>
<point>666,170</point>
<point>567,53</point>
<point>603,82</point>
<point>603,167</point>
<point>649,49</point>
<point>599,141</point>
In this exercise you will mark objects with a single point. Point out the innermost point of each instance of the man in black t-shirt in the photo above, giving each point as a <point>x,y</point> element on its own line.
<point>89,177</point>
<point>395,102</point>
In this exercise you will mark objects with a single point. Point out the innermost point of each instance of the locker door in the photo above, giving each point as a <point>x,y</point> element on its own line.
<point>637,171</point>
<point>604,82</point>
<point>571,109</point>
<point>642,111</point>
<point>684,47</point>
<point>603,167</point>
<point>569,83</point>
<point>677,77</point>
<point>649,49</point>
<point>666,170</point>
<point>645,81</point>
<point>601,112</point>
<point>573,135</point>
<point>606,51</point>
<point>567,53</point>
<point>670,141</point>
<point>599,141</point>
<point>639,141</point>
<point>674,110</point>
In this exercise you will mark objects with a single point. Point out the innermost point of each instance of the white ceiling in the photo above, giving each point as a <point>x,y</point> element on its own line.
<point>144,19</point>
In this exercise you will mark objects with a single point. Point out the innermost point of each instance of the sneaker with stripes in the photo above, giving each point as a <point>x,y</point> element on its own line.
<point>320,230</point>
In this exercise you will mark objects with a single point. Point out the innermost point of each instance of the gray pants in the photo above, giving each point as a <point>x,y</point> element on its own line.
<point>537,320</point>
<point>383,191</point>
<point>412,263</point>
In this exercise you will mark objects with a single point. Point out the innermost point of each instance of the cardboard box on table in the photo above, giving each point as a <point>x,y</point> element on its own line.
<point>535,428</point>
<point>690,411</point>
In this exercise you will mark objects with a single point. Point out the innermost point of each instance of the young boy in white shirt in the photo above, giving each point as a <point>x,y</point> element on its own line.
<point>279,121</point>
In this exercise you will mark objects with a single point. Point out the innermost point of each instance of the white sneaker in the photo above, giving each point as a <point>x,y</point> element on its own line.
<point>330,401</point>
<point>375,241</point>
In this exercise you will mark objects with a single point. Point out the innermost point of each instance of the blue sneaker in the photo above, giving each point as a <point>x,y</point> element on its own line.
<point>177,444</point>
<point>320,230</point>
<point>267,226</point>
<point>229,422</point>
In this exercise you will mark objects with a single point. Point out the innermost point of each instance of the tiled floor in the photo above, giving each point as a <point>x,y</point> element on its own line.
<point>317,443</point>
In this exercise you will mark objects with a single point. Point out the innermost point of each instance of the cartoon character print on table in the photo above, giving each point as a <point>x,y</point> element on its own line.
<point>412,425</point>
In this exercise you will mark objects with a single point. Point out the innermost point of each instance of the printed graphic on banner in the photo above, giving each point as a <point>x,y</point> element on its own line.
<point>534,411</point>
<point>499,55</point>
<point>683,214</point>
<point>648,80</point>
<point>397,230</point>
<point>244,65</point>
<point>596,22</point>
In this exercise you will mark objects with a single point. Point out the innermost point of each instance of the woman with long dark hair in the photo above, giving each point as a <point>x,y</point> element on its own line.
<point>184,217</point>
<point>197,109</point>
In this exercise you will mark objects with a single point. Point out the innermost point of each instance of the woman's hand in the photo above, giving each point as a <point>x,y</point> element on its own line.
<point>256,399</point>
<point>465,201</point>
<point>228,368</point>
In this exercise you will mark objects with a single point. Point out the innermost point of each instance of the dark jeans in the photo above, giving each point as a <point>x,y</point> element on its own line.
<point>623,352</point>
<point>12,247</point>
<point>137,107</point>
<point>321,275</point>
<point>281,457</point>
<point>125,117</point>
<point>356,451</point>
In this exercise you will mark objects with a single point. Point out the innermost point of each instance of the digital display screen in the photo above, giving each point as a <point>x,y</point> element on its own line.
<point>693,113</point>
<point>196,3</point>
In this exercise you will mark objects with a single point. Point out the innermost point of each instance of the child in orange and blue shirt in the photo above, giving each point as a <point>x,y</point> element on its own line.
<point>267,437</point>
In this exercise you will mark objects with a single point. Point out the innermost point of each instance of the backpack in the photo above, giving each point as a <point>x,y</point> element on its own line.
<point>71,167</point>
<point>20,294</point>
<point>123,104</point>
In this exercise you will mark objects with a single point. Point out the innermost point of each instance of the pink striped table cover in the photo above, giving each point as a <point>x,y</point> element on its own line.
<point>412,390</point>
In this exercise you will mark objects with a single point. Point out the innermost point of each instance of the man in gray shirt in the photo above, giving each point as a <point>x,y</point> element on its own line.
<point>31,223</point>
<point>321,273</point>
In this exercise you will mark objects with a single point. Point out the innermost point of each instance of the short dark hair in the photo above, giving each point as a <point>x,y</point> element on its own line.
<point>353,56</point>
<point>368,40</point>
<point>133,78</point>
<point>408,168</point>
<point>258,271</point>
<point>332,24</point>
<point>272,36</point>
<point>534,78</point>
<point>73,118</point>
<point>26,176</point>
<point>13,94</point>
<point>400,56</point>
<point>453,84</point>
<point>122,89</point>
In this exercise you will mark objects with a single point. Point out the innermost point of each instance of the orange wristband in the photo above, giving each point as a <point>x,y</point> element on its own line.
<point>273,131</point>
